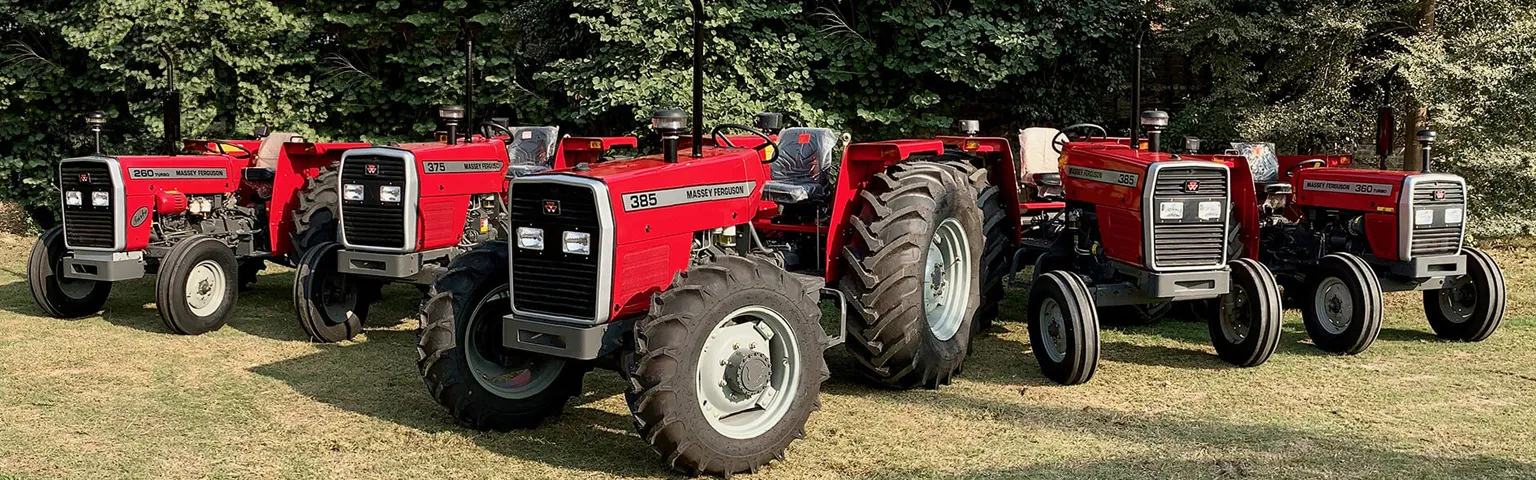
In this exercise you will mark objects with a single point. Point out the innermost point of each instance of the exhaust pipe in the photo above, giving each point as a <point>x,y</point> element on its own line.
<point>1136,91</point>
<point>698,78</point>
<point>171,112</point>
<point>469,78</point>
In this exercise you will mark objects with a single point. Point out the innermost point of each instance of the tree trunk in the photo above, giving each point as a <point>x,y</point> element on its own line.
<point>1418,115</point>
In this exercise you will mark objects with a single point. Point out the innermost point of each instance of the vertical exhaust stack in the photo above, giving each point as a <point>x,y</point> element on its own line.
<point>1426,139</point>
<point>469,75</point>
<point>698,78</point>
<point>171,111</point>
<point>1136,90</point>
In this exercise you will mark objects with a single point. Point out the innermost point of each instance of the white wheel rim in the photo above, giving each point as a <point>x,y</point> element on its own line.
<point>748,372</point>
<point>1053,330</point>
<point>947,280</point>
<point>205,288</point>
<point>1458,300</point>
<point>505,372</point>
<point>1334,305</point>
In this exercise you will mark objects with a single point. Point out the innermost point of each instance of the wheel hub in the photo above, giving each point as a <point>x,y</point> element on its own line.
<point>1234,314</point>
<point>504,372</point>
<point>747,372</point>
<point>205,288</point>
<point>1054,331</point>
<point>1337,306</point>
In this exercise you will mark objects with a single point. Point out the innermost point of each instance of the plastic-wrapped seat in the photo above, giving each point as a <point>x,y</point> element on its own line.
<point>797,173</point>
<point>1261,161</point>
<point>531,150</point>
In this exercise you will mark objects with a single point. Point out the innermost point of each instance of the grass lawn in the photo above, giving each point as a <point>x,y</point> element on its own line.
<point>117,396</point>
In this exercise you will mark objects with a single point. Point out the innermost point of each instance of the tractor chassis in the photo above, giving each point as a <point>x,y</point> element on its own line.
<point>413,267</point>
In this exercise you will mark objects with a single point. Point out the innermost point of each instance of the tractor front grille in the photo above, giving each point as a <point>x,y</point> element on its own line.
<point>1189,241</point>
<point>86,225</point>
<point>371,222</point>
<point>1438,237</point>
<point>550,281</point>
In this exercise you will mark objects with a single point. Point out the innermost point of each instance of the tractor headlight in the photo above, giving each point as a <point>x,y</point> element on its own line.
<point>1423,217</point>
<point>389,193</point>
<point>99,199</point>
<point>1210,210</point>
<point>1455,215</point>
<point>578,242</point>
<point>72,198</point>
<point>1171,211</point>
<point>530,238</point>
<point>352,192</point>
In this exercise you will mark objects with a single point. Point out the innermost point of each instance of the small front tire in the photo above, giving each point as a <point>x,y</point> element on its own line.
<point>331,306</point>
<point>196,288</point>
<point>1064,327</point>
<point>1245,329</point>
<point>1472,306</point>
<point>1341,304</point>
<point>56,294</point>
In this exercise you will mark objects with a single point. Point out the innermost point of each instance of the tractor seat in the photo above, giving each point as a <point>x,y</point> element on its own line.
<point>1262,161</point>
<point>797,173</point>
<point>272,148</point>
<point>531,150</point>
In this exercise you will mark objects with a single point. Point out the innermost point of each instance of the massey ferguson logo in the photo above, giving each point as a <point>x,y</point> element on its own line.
<point>85,178</point>
<point>1192,186</point>
<point>551,207</point>
<point>1439,194</point>
<point>371,169</point>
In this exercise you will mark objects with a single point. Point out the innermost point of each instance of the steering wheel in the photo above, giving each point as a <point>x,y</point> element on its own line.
<point>1291,172</point>
<point>725,140</point>
<point>485,128</point>
<point>1059,142</point>
<point>247,153</point>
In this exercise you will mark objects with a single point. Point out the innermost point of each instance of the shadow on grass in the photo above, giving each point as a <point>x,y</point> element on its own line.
<point>1251,450</point>
<point>378,378</point>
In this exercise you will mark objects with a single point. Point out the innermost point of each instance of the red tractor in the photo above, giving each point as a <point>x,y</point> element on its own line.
<point>697,275</point>
<point>202,224</point>
<point>1338,237</point>
<point>1109,222</point>
<point>407,210</point>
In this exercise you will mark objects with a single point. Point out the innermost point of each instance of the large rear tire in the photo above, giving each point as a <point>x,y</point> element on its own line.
<point>1246,328</point>
<point>1472,306</point>
<point>914,274</point>
<point>197,285</point>
<point>316,215</point>
<point>483,385</point>
<point>330,305</point>
<point>728,366</point>
<point>1341,304</point>
<point>61,297</point>
<point>997,233</point>
<point>1064,327</point>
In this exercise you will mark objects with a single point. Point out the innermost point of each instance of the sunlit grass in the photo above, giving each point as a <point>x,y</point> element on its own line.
<point>116,396</point>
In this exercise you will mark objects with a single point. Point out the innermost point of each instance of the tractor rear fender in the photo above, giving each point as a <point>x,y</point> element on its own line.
<point>861,161</point>
<point>577,150</point>
<point>1002,171</point>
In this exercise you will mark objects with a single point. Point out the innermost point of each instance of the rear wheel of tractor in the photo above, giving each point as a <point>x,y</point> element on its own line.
<point>1341,304</point>
<point>914,274</point>
<point>196,288</point>
<point>1245,329</point>
<point>997,238</point>
<point>316,213</point>
<point>1470,308</point>
<point>1064,327</point>
<point>727,366</point>
<point>330,305</point>
<point>56,294</point>
<point>484,385</point>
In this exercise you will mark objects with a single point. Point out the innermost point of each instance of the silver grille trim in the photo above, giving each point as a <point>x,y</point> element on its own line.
<point>606,241</point>
<point>1203,250</point>
<point>1431,240</point>
<point>119,206</point>
<point>411,198</point>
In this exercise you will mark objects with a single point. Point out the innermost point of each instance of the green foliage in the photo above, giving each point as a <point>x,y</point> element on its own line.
<point>1301,73</point>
